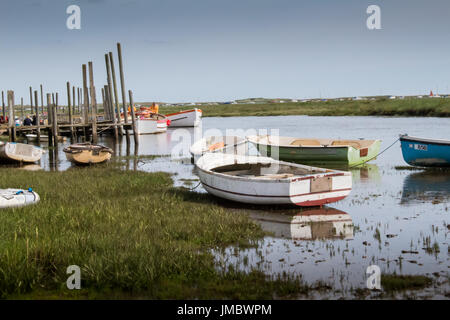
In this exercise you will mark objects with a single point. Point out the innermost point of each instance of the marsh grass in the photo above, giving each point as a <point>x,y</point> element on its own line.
<point>394,282</point>
<point>380,107</point>
<point>132,234</point>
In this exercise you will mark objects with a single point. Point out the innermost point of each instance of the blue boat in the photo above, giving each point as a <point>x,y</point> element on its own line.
<point>424,152</point>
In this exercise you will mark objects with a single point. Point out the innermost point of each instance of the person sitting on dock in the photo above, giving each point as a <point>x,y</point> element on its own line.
<point>34,122</point>
<point>27,121</point>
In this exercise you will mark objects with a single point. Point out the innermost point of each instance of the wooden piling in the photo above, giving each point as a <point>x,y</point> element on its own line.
<point>109,93</point>
<point>11,121</point>
<point>38,121</point>
<point>69,106</point>
<point>22,111</point>
<point>74,132</point>
<point>55,125</point>
<point>49,119</point>
<point>42,100</point>
<point>86,102</point>
<point>31,100</point>
<point>3,107</point>
<point>133,120</point>
<point>107,103</point>
<point>93,103</point>
<point>79,99</point>
<point>116,97</point>
<point>122,84</point>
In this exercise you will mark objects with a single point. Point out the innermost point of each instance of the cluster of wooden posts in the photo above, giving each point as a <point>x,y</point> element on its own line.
<point>82,117</point>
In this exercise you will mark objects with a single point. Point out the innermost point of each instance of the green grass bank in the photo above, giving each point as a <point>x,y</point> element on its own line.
<point>426,107</point>
<point>132,234</point>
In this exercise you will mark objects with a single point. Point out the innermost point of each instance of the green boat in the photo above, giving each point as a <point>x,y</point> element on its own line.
<point>317,151</point>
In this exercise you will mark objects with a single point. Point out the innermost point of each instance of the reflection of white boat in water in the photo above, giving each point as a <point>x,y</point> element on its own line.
<point>426,186</point>
<point>310,224</point>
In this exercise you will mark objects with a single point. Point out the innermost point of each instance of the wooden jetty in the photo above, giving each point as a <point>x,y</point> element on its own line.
<point>82,118</point>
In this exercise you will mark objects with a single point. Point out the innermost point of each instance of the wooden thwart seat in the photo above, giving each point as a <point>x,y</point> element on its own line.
<point>305,143</point>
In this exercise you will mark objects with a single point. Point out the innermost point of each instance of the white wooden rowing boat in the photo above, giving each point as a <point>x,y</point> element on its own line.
<point>10,198</point>
<point>223,144</point>
<point>154,123</point>
<point>263,180</point>
<point>185,118</point>
<point>309,224</point>
<point>87,153</point>
<point>19,152</point>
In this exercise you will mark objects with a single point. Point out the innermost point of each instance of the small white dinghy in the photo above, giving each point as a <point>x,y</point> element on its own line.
<point>223,144</point>
<point>19,152</point>
<point>263,180</point>
<point>10,198</point>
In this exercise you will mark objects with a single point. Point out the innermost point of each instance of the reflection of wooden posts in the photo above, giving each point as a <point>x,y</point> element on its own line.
<point>38,121</point>
<point>109,93</point>
<point>55,125</point>
<point>93,103</point>
<point>86,103</point>
<point>122,84</point>
<point>49,119</point>
<point>116,97</point>
<point>133,120</point>
<point>69,106</point>
<point>11,122</point>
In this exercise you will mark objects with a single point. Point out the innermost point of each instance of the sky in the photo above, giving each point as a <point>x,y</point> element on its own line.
<point>221,50</point>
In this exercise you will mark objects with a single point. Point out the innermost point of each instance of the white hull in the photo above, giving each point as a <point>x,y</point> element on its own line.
<point>313,187</point>
<point>20,152</point>
<point>187,118</point>
<point>222,144</point>
<point>10,198</point>
<point>150,126</point>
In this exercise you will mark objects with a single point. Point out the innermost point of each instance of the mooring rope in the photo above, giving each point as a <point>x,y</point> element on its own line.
<point>356,165</point>
<point>191,189</point>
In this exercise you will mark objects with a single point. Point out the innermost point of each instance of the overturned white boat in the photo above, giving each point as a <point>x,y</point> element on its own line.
<point>263,180</point>
<point>10,198</point>
<point>223,144</point>
<point>19,152</point>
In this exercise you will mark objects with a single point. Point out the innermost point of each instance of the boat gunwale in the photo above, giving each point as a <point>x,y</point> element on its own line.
<point>184,111</point>
<point>257,142</point>
<point>425,140</point>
